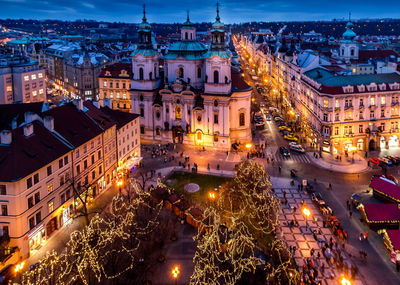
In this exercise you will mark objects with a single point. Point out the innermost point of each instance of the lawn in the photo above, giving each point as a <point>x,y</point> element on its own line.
<point>206,182</point>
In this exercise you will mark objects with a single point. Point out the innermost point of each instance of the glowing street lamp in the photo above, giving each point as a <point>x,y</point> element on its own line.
<point>249,146</point>
<point>19,267</point>
<point>175,273</point>
<point>306,213</point>
<point>345,281</point>
<point>119,184</point>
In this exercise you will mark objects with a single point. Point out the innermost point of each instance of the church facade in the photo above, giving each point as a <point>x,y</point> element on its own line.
<point>198,99</point>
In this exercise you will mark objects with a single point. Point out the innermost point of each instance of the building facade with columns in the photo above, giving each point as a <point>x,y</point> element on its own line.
<point>199,100</point>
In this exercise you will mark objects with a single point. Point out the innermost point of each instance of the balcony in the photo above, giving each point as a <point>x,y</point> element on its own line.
<point>372,106</point>
<point>395,103</point>
<point>347,107</point>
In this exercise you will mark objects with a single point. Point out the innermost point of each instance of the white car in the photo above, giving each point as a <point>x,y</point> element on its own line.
<point>297,148</point>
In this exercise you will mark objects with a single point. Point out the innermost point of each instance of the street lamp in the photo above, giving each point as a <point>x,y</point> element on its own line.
<point>345,281</point>
<point>119,184</point>
<point>175,273</point>
<point>249,146</point>
<point>306,213</point>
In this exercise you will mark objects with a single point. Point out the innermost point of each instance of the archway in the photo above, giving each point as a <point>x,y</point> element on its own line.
<point>199,138</point>
<point>371,145</point>
<point>360,144</point>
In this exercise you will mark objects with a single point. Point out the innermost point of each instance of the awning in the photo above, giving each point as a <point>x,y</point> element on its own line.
<point>386,188</point>
<point>130,163</point>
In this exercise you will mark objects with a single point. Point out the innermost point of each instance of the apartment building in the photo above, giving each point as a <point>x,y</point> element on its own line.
<point>128,137</point>
<point>81,72</point>
<point>35,198</point>
<point>21,80</point>
<point>114,84</point>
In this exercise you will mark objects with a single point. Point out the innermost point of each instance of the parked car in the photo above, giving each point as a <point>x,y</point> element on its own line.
<point>393,159</point>
<point>284,151</point>
<point>268,117</point>
<point>386,161</point>
<point>374,160</point>
<point>290,137</point>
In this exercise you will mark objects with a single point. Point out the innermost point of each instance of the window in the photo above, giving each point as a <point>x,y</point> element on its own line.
<point>142,130</point>
<point>215,118</point>
<point>62,198</point>
<point>361,102</point>
<point>50,186</point>
<point>68,194</point>
<point>198,72</point>
<point>99,154</point>
<point>93,174</point>
<point>77,153</point>
<point>37,197</point>
<point>3,190</point>
<point>66,160</point>
<point>372,115</point>
<point>216,76</point>
<point>111,85</point>
<point>34,93</point>
<point>178,113</point>
<point>41,91</point>
<point>382,113</point>
<point>30,202</point>
<point>360,129</point>
<point>66,176</point>
<point>181,72</point>
<point>93,159</point>
<point>85,165</point>
<point>100,169</point>
<point>26,78</point>
<point>50,205</point>
<point>337,117</point>
<point>36,178</point>
<point>78,169</point>
<point>326,103</point>
<point>241,119</point>
<point>5,231</point>
<point>348,103</point>
<point>141,112</point>
<point>48,170</point>
<point>86,180</point>
<point>105,83</point>
<point>141,74</point>
<point>325,117</point>
<point>383,127</point>
<point>361,115</point>
<point>40,75</point>
<point>336,131</point>
<point>337,103</point>
<point>372,101</point>
<point>4,210</point>
<point>38,217</point>
<point>84,149</point>
<point>33,76</point>
<point>31,223</point>
<point>383,100</point>
<point>60,163</point>
<point>61,181</point>
<point>215,137</point>
<point>9,88</point>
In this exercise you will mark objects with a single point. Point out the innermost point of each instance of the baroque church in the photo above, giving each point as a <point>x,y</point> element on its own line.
<point>197,98</point>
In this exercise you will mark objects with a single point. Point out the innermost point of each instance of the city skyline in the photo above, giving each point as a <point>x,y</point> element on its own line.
<point>175,11</point>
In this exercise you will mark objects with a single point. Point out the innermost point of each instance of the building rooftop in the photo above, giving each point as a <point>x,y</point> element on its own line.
<point>115,70</point>
<point>26,155</point>
<point>121,118</point>
<point>331,79</point>
<point>8,112</point>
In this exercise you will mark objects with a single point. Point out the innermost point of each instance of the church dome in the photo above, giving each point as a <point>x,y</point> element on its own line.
<point>349,34</point>
<point>190,50</point>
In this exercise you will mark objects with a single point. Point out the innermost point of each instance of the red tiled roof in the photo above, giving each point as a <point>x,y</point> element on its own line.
<point>102,119</point>
<point>122,118</point>
<point>385,188</point>
<point>71,123</point>
<point>238,83</point>
<point>10,111</point>
<point>382,212</point>
<point>26,155</point>
<point>366,54</point>
<point>115,70</point>
<point>394,236</point>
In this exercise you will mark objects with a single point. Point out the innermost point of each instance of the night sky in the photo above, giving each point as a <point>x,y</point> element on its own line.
<point>170,11</point>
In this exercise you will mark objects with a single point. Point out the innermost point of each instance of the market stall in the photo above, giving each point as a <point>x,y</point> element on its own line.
<point>391,241</point>
<point>381,216</point>
<point>385,189</point>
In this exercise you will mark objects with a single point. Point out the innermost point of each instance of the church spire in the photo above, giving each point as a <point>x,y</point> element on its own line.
<point>217,18</point>
<point>144,14</point>
<point>187,18</point>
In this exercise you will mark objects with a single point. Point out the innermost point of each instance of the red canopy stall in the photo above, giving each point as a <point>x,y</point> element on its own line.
<point>381,216</point>
<point>385,189</point>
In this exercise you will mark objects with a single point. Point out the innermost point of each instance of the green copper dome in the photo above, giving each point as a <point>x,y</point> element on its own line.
<point>190,50</point>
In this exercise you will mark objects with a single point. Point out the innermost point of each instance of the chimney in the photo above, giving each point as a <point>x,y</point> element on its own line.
<point>28,130</point>
<point>79,104</point>
<point>49,123</point>
<point>96,104</point>
<point>28,117</point>
<point>14,123</point>
<point>5,137</point>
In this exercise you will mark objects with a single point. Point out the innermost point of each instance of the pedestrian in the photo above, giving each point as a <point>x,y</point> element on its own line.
<point>350,213</point>
<point>348,204</point>
<point>361,236</point>
<point>279,169</point>
<point>208,167</point>
<point>366,236</point>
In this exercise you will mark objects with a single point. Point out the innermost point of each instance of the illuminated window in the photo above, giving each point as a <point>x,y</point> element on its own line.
<point>51,206</point>
<point>372,101</point>
<point>34,93</point>
<point>26,78</point>
<point>241,119</point>
<point>40,75</point>
<point>49,188</point>
<point>383,100</point>
<point>105,83</point>
<point>33,76</point>
<point>41,91</point>
<point>337,103</point>
<point>9,88</point>
<point>178,113</point>
<point>326,103</point>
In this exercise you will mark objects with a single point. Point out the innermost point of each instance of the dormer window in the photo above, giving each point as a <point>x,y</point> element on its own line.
<point>108,73</point>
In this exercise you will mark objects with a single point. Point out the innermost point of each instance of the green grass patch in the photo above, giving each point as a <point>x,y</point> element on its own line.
<point>206,182</point>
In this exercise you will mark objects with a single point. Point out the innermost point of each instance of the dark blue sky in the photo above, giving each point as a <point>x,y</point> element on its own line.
<point>169,11</point>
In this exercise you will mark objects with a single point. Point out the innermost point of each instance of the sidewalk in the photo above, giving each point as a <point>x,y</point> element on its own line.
<point>344,166</point>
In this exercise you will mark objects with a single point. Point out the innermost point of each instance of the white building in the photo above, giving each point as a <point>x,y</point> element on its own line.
<point>21,80</point>
<point>202,100</point>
